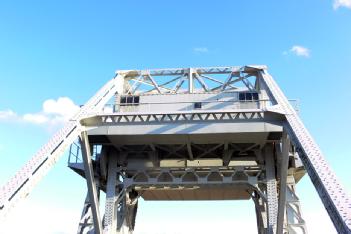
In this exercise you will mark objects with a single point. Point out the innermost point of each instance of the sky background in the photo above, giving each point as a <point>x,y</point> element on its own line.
<point>54,55</point>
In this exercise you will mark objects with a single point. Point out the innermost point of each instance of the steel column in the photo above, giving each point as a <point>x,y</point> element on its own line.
<point>272,201</point>
<point>333,195</point>
<point>89,175</point>
<point>284,163</point>
<point>261,213</point>
<point>86,224</point>
<point>110,220</point>
<point>294,221</point>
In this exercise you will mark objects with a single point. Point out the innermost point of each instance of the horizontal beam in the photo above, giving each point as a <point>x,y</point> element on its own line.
<point>180,71</point>
<point>172,117</point>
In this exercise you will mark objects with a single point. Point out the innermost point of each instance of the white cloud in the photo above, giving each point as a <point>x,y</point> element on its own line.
<point>53,112</point>
<point>201,50</point>
<point>7,115</point>
<point>341,3</point>
<point>64,107</point>
<point>299,51</point>
<point>40,219</point>
<point>37,118</point>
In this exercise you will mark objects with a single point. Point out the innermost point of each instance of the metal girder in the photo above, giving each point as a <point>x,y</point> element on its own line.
<point>112,195</point>
<point>89,176</point>
<point>334,197</point>
<point>19,186</point>
<point>86,223</point>
<point>202,70</point>
<point>283,153</point>
<point>272,200</point>
<point>261,213</point>
<point>185,78</point>
<point>180,176</point>
<point>180,81</point>
<point>293,223</point>
<point>121,204</point>
<point>228,115</point>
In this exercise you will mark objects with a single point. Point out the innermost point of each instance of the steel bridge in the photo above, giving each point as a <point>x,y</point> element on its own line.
<point>216,133</point>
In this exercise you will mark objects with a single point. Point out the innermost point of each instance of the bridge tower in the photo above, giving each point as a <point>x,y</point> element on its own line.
<point>216,133</point>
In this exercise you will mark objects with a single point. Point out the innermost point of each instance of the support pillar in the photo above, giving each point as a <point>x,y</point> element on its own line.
<point>272,201</point>
<point>110,219</point>
<point>261,213</point>
<point>127,209</point>
<point>89,175</point>
<point>86,223</point>
<point>283,153</point>
<point>121,205</point>
<point>294,222</point>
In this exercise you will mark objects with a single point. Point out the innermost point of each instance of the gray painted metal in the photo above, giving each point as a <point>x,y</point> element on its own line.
<point>272,200</point>
<point>293,221</point>
<point>86,223</point>
<point>91,184</point>
<point>283,153</point>
<point>110,220</point>
<point>19,186</point>
<point>334,197</point>
<point>223,115</point>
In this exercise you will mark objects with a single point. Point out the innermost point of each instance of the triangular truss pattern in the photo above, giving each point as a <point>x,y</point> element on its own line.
<point>191,80</point>
<point>179,81</point>
<point>19,186</point>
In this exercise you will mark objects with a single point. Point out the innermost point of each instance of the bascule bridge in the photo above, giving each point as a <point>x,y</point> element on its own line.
<point>216,133</point>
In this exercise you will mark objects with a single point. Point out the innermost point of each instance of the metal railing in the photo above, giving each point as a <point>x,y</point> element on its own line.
<point>190,105</point>
<point>75,153</point>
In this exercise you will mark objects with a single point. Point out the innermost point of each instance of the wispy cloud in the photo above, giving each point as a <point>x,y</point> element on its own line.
<point>53,112</point>
<point>7,114</point>
<point>201,50</point>
<point>341,3</point>
<point>62,220</point>
<point>298,51</point>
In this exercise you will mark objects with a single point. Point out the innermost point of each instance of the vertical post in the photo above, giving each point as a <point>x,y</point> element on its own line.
<point>86,223</point>
<point>261,213</point>
<point>294,221</point>
<point>272,201</point>
<point>283,177</point>
<point>191,80</point>
<point>89,175</point>
<point>111,196</point>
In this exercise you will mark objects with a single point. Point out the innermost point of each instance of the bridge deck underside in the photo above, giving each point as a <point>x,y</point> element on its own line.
<point>197,193</point>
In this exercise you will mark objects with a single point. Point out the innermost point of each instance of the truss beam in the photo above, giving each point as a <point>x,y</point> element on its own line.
<point>334,197</point>
<point>89,176</point>
<point>283,153</point>
<point>19,186</point>
<point>184,82</point>
<point>261,181</point>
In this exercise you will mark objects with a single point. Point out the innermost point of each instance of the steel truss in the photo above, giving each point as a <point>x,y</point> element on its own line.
<point>121,202</point>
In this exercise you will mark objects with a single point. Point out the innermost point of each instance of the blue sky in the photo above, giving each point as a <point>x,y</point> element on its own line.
<point>69,49</point>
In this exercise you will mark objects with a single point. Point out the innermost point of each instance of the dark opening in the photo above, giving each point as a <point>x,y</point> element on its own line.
<point>123,100</point>
<point>197,105</point>
<point>241,96</point>
<point>129,100</point>
<point>248,96</point>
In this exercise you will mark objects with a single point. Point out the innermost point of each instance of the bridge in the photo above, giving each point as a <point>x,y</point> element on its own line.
<point>215,133</point>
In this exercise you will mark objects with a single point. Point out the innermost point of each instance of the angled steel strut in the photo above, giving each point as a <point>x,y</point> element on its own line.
<point>334,197</point>
<point>183,81</point>
<point>36,168</point>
